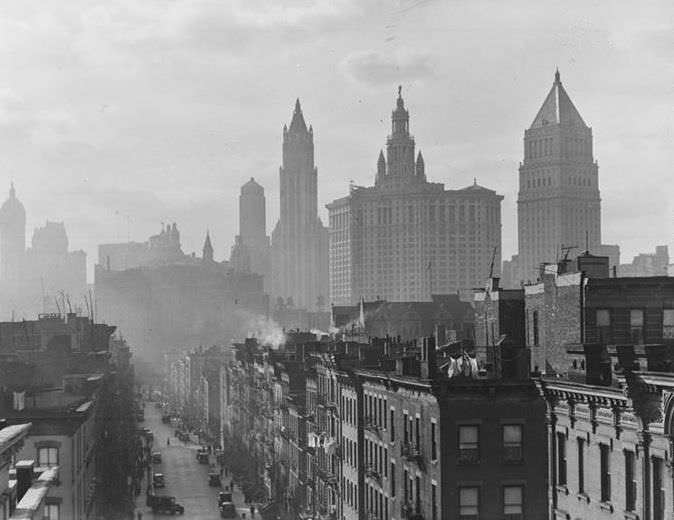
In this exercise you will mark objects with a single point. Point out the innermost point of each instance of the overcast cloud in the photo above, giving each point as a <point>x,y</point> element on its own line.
<point>121,114</point>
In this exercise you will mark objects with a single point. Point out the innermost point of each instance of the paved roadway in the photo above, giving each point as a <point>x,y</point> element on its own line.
<point>186,479</point>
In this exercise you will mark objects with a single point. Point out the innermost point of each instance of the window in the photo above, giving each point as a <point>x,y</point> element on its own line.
<point>605,471</point>
<point>469,503</point>
<point>513,498</point>
<point>561,459</point>
<point>405,425</point>
<point>47,457</point>
<point>469,446</point>
<point>393,479</point>
<point>434,507</point>
<point>52,512</point>
<point>658,490</point>
<point>604,326</point>
<point>434,452</point>
<point>637,326</point>
<point>630,482</point>
<point>535,325</point>
<point>581,465</point>
<point>668,323</point>
<point>393,426</point>
<point>512,443</point>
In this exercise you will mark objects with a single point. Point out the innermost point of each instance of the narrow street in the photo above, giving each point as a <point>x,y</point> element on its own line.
<point>186,479</point>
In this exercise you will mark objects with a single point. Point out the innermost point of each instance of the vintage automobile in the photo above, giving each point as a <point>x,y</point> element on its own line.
<point>158,480</point>
<point>214,479</point>
<point>165,504</point>
<point>156,457</point>
<point>224,496</point>
<point>202,456</point>
<point>228,510</point>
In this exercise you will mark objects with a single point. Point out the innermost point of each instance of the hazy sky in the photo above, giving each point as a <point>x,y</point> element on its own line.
<point>160,110</point>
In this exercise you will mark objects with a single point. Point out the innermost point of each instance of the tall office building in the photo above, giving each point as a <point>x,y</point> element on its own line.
<point>299,240</point>
<point>12,241</point>
<point>405,239</point>
<point>251,253</point>
<point>559,203</point>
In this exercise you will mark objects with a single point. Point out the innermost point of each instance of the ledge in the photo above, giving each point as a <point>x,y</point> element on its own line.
<point>562,489</point>
<point>631,515</point>
<point>583,497</point>
<point>606,506</point>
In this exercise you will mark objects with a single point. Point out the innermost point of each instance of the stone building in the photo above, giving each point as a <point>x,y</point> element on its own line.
<point>299,240</point>
<point>558,202</point>
<point>405,239</point>
<point>609,433</point>
<point>251,253</point>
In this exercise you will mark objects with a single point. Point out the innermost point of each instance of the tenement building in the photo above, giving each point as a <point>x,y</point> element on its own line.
<point>558,202</point>
<point>405,238</point>
<point>340,429</point>
<point>299,240</point>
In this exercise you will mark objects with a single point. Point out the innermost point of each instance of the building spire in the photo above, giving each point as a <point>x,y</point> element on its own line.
<point>12,190</point>
<point>298,107</point>
<point>557,77</point>
<point>297,124</point>
<point>381,164</point>
<point>207,251</point>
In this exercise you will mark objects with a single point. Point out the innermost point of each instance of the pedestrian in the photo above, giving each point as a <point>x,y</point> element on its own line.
<point>220,472</point>
<point>252,511</point>
<point>139,515</point>
<point>168,441</point>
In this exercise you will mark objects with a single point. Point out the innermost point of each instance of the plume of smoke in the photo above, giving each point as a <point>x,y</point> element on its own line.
<point>266,330</point>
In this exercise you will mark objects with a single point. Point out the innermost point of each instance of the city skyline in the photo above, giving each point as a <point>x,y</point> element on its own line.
<point>82,152</point>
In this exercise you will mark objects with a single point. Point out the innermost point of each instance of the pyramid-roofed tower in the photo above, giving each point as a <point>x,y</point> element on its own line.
<point>559,203</point>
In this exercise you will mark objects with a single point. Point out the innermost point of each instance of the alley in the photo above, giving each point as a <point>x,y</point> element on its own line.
<point>186,479</point>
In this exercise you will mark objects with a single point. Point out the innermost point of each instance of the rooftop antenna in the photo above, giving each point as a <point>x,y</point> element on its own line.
<point>566,250</point>
<point>587,241</point>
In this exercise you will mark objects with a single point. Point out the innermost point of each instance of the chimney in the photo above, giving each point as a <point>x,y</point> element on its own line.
<point>440,334</point>
<point>24,477</point>
<point>597,365</point>
<point>428,363</point>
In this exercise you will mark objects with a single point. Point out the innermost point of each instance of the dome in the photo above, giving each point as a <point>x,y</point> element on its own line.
<point>12,207</point>
<point>252,187</point>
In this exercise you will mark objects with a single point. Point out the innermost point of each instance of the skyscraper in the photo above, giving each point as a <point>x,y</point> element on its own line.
<point>406,239</point>
<point>251,252</point>
<point>299,240</point>
<point>559,203</point>
<point>12,240</point>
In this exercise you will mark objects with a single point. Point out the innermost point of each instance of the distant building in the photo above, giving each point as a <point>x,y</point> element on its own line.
<point>45,277</point>
<point>170,300</point>
<point>299,240</point>
<point>405,238</point>
<point>252,251</point>
<point>647,264</point>
<point>12,241</point>
<point>161,249</point>
<point>446,317</point>
<point>558,201</point>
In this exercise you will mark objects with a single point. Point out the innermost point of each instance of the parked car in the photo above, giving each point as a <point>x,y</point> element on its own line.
<point>224,496</point>
<point>202,457</point>
<point>158,480</point>
<point>214,479</point>
<point>166,504</point>
<point>228,510</point>
<point>156,457</point>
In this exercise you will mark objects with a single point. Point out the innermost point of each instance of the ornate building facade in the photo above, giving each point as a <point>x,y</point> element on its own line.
<point>405,238</point>
<point>299,240</point>
<point>558,201</point>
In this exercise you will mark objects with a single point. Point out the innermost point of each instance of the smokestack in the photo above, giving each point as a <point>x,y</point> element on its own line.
<point>428,363</point>
<point>24,477</point>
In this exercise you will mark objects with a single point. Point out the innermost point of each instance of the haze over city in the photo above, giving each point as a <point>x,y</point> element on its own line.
<point>119,115</point>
